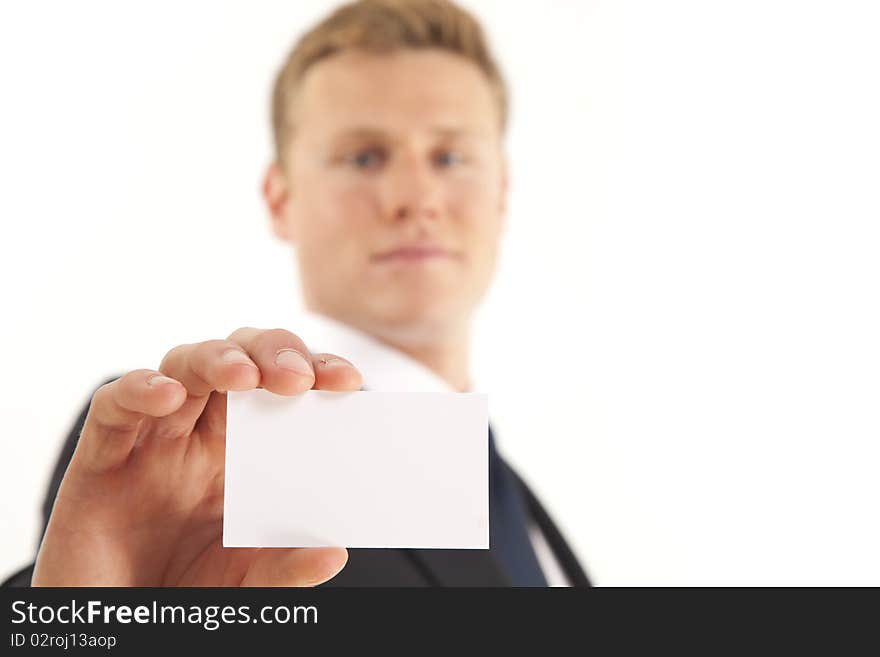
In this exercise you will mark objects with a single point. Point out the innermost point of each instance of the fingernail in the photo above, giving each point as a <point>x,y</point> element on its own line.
<point>290,359</point>
<point>236,356</point>
<point>333,361</point>
<point>159,380</point>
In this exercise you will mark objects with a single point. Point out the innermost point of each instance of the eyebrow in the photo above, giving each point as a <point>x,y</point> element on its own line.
<point>368,132</point>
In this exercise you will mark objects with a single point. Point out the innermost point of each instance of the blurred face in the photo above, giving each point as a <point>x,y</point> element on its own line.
<point>394,190</point>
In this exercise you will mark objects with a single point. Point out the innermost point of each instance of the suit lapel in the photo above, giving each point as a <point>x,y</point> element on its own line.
<point>561,549</point>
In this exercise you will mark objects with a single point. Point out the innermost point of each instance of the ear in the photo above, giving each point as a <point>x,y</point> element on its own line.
<point>503,192</point>
<point>276,194</point>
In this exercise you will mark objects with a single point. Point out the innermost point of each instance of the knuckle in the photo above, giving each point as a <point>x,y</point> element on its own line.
<point>174,354</point>
<point>279,336</point>
<point>134,376</point>
<point>103,394</point>
<point>110,390</point>
<point>107,412</point>
<point>210,347</point>
<point>241,332</point>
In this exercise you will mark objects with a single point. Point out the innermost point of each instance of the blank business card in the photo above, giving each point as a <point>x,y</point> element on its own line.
<point>357,469</point>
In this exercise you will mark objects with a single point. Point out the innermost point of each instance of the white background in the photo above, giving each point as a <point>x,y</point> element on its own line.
<point>681,348</point>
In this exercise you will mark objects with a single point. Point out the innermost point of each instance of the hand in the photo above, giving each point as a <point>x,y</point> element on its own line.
<point>141,503</point>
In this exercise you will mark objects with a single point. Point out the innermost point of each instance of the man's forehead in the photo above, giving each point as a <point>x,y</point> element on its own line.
<point>403,65</point>
<point>431,86</point>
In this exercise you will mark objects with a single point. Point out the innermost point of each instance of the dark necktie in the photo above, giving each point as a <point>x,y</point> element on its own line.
<point>508,532</point>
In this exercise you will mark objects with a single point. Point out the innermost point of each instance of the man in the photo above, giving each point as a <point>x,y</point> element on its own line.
<point>389,180</point>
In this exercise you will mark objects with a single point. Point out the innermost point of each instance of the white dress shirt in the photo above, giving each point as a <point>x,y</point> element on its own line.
<point>386,369</point>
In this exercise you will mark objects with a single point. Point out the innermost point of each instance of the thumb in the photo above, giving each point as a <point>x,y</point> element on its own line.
<point>294,566</point>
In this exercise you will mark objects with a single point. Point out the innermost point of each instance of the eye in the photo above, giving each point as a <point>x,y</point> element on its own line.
<point>368,158</point>
<point>448,158</point>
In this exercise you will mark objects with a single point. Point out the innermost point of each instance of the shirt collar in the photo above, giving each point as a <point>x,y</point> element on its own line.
<point>382,367</point>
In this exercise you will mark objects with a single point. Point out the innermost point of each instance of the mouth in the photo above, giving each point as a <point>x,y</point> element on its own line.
<point>419,253</point>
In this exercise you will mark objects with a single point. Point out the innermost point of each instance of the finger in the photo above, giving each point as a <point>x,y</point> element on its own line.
<point>212,365</point>
<point>333,372</point>
<point>284,361</point>
<point>117,411</point>
<point>295,566</point>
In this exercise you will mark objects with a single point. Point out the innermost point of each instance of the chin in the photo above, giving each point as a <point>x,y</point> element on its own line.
<point>421,318</point>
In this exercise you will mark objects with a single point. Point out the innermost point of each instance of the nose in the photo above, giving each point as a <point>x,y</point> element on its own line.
<point>411,191</point>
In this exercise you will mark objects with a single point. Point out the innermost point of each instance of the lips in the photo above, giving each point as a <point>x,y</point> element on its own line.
<point>415,253</point>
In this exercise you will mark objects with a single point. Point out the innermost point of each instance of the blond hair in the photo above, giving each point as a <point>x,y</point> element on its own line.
<point>383,26</point>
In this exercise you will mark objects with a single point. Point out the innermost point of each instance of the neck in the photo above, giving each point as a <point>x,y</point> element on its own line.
<point>447,357</point>
<point>444,350</point>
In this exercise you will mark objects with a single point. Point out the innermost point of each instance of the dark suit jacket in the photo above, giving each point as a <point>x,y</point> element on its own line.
<point>381,567</point>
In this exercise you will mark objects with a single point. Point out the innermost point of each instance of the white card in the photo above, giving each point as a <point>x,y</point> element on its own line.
<point>357,469</point>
